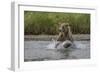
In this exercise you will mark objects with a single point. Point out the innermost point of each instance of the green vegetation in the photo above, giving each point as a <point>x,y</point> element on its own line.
<point>47,22</point>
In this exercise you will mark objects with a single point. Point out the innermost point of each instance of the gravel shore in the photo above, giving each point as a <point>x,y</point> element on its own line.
<point>50,37</point>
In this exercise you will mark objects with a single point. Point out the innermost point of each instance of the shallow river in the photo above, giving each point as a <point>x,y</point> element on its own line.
<point>37,51</point>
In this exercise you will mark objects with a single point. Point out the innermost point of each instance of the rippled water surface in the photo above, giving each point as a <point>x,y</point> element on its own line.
<point>38,51</point>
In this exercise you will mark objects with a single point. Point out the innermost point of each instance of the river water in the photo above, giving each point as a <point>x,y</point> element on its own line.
<point>38,51</point>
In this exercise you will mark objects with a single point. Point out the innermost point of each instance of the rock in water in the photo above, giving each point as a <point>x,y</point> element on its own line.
<point>67,44</point>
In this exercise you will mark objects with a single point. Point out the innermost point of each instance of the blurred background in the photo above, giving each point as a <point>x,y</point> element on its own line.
<point>36,23</point>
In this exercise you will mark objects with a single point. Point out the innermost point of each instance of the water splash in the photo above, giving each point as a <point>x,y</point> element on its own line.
<point>79,45</point>
<point>76,44</point>
<point>53,44</point>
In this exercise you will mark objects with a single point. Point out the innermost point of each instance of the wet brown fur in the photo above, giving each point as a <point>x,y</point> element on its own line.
<point>65,33</point>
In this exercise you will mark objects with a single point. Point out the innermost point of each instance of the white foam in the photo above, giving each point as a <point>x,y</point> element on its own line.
<point>79,45</point>
<point>53,44</point>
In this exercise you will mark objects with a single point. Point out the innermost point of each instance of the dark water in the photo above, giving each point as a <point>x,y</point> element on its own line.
<point>38,51</point>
